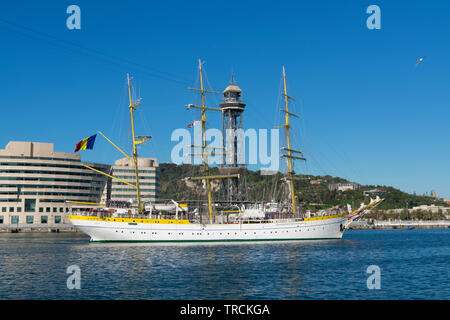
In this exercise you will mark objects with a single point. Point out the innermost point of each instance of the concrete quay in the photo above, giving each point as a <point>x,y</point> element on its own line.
<point>42,229</point>
<point>400,224</point>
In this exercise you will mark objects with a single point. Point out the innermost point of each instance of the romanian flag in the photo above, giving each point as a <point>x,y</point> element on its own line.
<point>87,143</point>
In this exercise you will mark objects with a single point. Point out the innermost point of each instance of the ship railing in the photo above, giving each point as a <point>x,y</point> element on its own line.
<point>106,214</point>
<point>286,220</point>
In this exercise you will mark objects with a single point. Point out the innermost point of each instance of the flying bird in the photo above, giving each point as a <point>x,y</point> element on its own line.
<point>419,61</point>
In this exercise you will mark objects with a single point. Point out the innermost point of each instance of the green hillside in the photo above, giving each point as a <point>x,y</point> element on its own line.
<point>312,191</point>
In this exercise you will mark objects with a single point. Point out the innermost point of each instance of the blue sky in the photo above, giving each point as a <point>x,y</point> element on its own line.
<point>367,114</point>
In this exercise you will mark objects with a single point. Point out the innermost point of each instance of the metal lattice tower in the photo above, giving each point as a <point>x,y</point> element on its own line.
<point>232,129</point>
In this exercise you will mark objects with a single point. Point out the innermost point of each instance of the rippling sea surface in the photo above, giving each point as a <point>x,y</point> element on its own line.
<point>414,264</point>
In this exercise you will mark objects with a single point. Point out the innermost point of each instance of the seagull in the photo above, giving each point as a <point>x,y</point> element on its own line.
<point>419,61</point>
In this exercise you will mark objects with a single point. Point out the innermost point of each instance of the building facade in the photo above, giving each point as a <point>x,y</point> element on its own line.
<point>124,169</point>
<point>343,186</point>
<point>36,183</point>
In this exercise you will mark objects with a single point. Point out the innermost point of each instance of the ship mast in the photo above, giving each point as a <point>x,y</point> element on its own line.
<point>204,149</point>
<point>289,157</point>
<point>136,142</point>
<point>204,154</point>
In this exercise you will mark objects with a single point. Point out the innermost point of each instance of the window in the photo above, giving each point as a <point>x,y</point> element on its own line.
<point>14,219</point>
<point>3,209</point>
<point>44,219</point>
<point>11,209</point>
<point>1,219</point>
<point>19,209</point>
<point>29,219</point>
<point>47,209</point>
<point>61,209</point>
<point>30,205</point>
<point>55,209</point>
<point>41,209</point>
<point>57,219</point>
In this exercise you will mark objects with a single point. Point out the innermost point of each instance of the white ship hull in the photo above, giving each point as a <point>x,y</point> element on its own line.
<point>146,230</point>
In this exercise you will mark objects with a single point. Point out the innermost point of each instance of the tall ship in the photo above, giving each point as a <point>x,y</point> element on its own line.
<point>209,222</point>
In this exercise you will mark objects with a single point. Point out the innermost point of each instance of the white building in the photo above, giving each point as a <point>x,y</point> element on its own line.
<point>36,183</point>
<point>432,208</point>
<point>124,169</point>
<point>343,186</point>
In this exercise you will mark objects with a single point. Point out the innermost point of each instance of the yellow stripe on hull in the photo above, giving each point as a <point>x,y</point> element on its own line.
<point>326,217</point>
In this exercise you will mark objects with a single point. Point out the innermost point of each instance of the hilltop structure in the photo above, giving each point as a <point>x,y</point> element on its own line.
<point>344,186</point>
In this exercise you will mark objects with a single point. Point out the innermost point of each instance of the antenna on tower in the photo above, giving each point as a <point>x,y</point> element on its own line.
<point>232,78</point>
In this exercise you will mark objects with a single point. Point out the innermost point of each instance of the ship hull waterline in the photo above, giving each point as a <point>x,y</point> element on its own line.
<point>152,230</point>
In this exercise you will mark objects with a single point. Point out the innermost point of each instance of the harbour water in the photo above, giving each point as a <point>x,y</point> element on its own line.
<point>414,264</point>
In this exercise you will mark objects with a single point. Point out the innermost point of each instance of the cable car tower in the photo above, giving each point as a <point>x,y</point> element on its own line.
<point>233,141</point>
